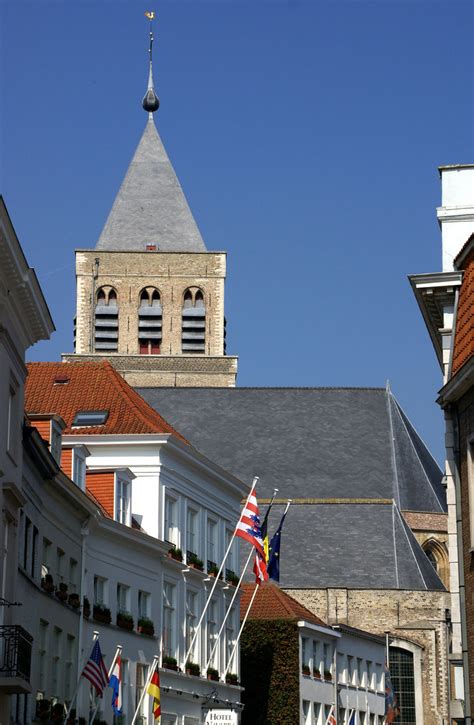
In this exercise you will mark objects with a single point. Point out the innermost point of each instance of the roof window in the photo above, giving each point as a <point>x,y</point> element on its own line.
<point>90,417</point>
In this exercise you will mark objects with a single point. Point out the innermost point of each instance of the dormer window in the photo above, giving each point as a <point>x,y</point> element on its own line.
<point>193,331</point>
<point>149,322</point>
<point>79,467</point>
<point>90,418</point>
<point>106,320</point>
<point>123,499</point>
<point>56,441</point>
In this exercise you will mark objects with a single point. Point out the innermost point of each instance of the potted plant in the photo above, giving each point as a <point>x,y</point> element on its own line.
<point>232,578</point>
<point>212,569</point>
<point>61,593</point>
<point>327,675</point>
<point>124,620</point>
<point>194,561</point>
<point>74,600</point>
<point>146,626</point>
<point>101,613</point>
<point>86,608</point>
<point>192,668</point>
<point>170,663</point>
<point>43,709</point>
<point>212,674</point>
<point>305,670</point>
<point>47,583</point>
<point>175,553</point>
<point>231,678</point>
<point>316,673</point>
<point>57,712</point>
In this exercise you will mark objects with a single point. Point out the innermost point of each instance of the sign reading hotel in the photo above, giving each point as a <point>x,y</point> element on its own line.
<point>223,717</point>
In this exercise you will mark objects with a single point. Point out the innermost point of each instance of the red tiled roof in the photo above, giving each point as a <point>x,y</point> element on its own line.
<point>272,603</point>
<point>464,335</point>
<point>91,386</point>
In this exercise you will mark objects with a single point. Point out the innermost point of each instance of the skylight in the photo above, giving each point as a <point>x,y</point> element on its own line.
<point>90,417</point>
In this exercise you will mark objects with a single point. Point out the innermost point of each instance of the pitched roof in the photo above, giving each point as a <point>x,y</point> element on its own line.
<point>272,603</point>
<point>150,207</point>
<point>464,335</point>
<point>91,386</point>
<point>309,442</point>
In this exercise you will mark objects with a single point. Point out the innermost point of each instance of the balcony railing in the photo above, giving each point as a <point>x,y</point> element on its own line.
<point>15,651</point>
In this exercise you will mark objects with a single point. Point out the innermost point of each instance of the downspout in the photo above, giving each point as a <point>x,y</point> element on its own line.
<point>453,410</point>
<point>84,534</point>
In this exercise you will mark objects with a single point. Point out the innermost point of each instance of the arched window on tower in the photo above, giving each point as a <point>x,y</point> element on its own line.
<point>106,320</point>
<point>437,554</point>
<point>149,322</point>
<point>402,673</point>
<point>193,330</point>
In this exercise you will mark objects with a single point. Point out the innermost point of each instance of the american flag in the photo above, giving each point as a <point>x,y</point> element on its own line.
<point>249,528</point>
<point>95,670</point>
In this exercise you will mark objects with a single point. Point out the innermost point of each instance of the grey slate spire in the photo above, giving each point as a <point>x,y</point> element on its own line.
<point>150,207</point>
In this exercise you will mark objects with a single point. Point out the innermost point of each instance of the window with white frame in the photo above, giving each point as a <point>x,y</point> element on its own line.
<point>230,561</point>
<point>212,632</point>
<point>73,569</point>
<point>369,675</point>
<point>100,590</point>
<point>124,672</point>
<point>192,531</point>
<point>317,708</point>
<point>191,619</point>
<point>211,543</point>
<point>350,670</point>
<point>306,712</point>
<point>46,557</point>
<point>79,468</point>
<point>56,441</point>
<point>123,598</point>
<point>60,558</point>
<point>360,671</point>
<point>342,667</point>
<point>316,658</point>
<point>169,619</point>
<point>122,500</point>
<point>144,604</point>
<point>305,651</point>
<point>141,675</point>
<point>171,520</point>
<point>13,418</point>
<point>42,655</point>
<point>230,642</point>
<point>326,658</point>
<point>69,667</point>
<point>56,662</point>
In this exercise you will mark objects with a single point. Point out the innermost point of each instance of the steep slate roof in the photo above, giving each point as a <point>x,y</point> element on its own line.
<point>464,336</point>
<point>272,603</point>
<point>90,386</point>
<point>309,442</point>
<point>350,460</point>
<point>150,207</point>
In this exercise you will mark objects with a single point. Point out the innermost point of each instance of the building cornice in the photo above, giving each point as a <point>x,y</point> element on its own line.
<point>458,385</point>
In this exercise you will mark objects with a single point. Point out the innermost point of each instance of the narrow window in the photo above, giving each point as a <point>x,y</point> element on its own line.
<point>143,604</point>
<point>123,598</point>
<point>171,522</point>
<point>211,544</point>
<point>69,667</point>
<point>106,320</point>
<point>150,322</point>
<point>193,331</point>
<point>78,468</point>
<point>42,655</point>
<point>191,532</point>
<point>169,620</point>
<point>191,618</point>
<point>212,632</point>
<point>56,662</point>
<point>122,501</point>
<point>403,681</point>
<point>13,419</point>
<point>100,590</point>
<point>140,681</point>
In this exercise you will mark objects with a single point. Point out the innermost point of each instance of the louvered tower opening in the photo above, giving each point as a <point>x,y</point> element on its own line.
<point>150,322</point>
<point>106,320</point>
<point>193,334</point>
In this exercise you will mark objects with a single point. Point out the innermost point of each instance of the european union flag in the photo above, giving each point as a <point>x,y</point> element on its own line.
<point>273,567</point>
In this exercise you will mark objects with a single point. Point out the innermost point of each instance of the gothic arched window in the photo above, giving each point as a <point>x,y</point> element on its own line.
<point>438,556</point>
<point>402,673</point>
<point>106,320</point>
<point>149,322</point>
<point>193,325</point>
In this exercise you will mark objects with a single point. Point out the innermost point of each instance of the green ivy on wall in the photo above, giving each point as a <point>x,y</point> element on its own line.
<point>270,672</point>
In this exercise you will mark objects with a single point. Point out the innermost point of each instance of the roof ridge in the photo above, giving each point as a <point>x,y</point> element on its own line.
<point>262,387</point>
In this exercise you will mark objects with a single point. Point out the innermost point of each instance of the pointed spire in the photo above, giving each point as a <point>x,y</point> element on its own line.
<point>150,102</point>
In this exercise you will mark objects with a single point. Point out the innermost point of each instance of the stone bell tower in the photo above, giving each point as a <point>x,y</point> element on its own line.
<point>150,297</point>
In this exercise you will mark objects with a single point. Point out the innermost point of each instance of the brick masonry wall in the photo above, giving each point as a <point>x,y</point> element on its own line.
<point>466,435</point>
<point>417,616</point>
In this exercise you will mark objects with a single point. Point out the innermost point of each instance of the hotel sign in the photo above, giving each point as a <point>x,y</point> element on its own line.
<point>221,717</point>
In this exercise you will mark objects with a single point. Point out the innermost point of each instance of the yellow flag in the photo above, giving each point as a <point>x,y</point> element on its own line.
<point>150,14</point>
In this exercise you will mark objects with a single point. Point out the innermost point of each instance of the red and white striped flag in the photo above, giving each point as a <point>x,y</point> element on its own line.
<point>331,720</point>
<point>249,527</point>
<point>260,569</point>
<point>95,670</point>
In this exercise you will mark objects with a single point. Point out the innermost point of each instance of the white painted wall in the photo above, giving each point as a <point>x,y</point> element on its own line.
<point>456,213</point>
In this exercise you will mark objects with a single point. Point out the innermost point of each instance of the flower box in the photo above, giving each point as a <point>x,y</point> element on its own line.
<point>175,554</point>
<point>74,601</point>
<point>192,668</point>
<point>86,608</point>
<point>124,620</point>
<point>305,670</point>
<point>61,593</point>
<point>231,679</point>
<point>316,674</point>
<point>101,614</point>
<point>146,626</point>
<point>212,674</point>
<point>47,583</point>
<point>327,675</point>
<point>170,663</point>
<point>194,561</point>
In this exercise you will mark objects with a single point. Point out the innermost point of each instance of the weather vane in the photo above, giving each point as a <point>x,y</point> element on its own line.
<point>151,101</point>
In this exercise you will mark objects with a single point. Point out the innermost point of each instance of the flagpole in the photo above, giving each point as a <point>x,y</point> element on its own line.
<point>198,626</point>
<point>334,667</point>
<point>145,688</point>
<point>95,636</point>
<point>240,630</point>
<point>118,652</point>
<point>275,491</point>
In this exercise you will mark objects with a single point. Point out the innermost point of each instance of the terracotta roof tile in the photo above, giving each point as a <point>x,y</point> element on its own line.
<point>91,386</point>
<point>464,336</point>
<point>273,603</point>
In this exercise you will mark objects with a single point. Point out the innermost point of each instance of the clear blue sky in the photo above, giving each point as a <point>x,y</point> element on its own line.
<point>307,137</point>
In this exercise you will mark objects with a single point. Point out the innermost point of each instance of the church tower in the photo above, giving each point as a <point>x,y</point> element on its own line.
<point>150,296</point>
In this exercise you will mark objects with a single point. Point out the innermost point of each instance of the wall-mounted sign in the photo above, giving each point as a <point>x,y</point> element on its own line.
<point>221,717</point>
